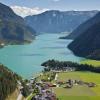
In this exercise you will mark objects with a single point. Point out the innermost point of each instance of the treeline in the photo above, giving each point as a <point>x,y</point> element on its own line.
<point>62,65</point>
<point>8,82</point>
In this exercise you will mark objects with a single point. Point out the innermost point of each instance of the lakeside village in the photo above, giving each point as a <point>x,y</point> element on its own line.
<point>42,87</point>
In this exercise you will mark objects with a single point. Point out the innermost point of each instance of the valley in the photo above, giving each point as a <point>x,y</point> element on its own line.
<point>26,59</point>
<point>49,53</point>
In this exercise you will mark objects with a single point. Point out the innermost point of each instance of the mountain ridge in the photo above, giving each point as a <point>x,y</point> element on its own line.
<point>13,28</point>
<point>87,44</point>
<point>55,21</point>
<point>82,27</point>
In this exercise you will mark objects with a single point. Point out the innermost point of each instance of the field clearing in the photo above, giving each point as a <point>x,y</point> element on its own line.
<point>78,92</point>
<point>91,62</point>
<point>79,98</point>
<point>74,91</point>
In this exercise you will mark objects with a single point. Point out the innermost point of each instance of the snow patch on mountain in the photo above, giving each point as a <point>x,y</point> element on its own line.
<point>25,11</point>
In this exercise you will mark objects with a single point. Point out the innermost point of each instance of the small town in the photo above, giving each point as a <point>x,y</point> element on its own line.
<point>45,84</point>
<point>49,49</point>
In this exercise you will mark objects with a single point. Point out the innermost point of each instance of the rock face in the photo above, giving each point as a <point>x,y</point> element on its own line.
<point>57,21</point>
<point>13,27</point>
<point>88,43</point>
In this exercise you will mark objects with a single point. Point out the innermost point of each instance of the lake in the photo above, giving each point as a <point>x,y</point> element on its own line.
<point>26,59</point>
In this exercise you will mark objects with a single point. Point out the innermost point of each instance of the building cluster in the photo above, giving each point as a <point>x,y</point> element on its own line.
<point>42,90</point>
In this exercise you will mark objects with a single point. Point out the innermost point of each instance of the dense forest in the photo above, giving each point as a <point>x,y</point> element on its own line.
<point>13,28</point>
<point>62,65</point>
<point>8,81</point>
<point>88,43</point>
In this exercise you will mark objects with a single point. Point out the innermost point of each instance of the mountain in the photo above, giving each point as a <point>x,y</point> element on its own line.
<point>83,27</point>
<point>13,28</point>
<point>8,82</point>
<point>87,44</point>
<point>26,11</point>
<point>56,21</point>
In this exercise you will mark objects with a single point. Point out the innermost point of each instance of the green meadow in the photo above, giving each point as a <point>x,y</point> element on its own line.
<point>91,62</point>
<point>79,92</point>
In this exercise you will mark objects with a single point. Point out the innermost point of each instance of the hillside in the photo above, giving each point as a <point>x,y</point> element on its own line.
<point>56,21</point>
<point>88,43</point>
<point>83,27</point>
<point>13,28</point>
<point>8,82</point>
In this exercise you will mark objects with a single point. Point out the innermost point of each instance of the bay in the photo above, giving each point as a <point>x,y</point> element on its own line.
<point>26,59</point>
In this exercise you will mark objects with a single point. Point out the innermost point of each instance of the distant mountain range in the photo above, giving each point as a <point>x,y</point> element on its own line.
<point>56,21</point>
<point>87,44</point>
<point>13,28</point>
<point>83,27</point>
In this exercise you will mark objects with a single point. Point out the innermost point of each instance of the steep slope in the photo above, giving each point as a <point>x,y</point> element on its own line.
<point>83,27</point>
<point>13,28</point>
<point>57,21</point>
<point>88,43</point>
<point>8,82</point>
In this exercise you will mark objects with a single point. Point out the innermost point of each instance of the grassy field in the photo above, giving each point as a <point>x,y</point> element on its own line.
<point>79,92</point>
<point>79,98</point>
<point>30,96</point>
<point>91,62</point>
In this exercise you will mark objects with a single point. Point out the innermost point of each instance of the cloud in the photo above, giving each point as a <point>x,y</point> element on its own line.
<point>25,11</point>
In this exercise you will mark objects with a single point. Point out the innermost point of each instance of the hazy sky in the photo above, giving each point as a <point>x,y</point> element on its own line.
<point>56,4</point>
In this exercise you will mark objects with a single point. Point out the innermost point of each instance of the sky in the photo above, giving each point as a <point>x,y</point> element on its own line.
<point>63,5</point>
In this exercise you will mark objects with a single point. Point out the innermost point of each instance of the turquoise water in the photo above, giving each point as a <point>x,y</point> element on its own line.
<point>26,59</point>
